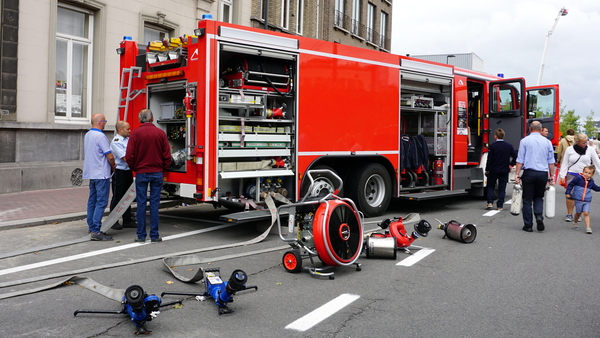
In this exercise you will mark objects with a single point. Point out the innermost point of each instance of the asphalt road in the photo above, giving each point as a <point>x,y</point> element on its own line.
<point>507,283</point>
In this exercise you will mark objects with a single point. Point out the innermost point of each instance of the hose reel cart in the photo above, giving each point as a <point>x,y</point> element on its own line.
<point>321,225</point>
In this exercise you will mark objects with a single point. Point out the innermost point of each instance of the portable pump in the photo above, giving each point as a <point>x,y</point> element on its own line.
<point>222,292</point>
<point>379,245</point>
<point>140,307</point>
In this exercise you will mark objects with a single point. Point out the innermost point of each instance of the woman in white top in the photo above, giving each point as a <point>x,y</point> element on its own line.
<point>577,156</point>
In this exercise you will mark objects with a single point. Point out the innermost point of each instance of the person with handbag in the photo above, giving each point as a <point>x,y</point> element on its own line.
<point>576,157</point>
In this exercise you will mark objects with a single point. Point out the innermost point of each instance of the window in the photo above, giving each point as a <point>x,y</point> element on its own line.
<point>263,10</point>
<point>356,17</point>
<point>383,30</point>
<point>300,16</point>
<point>370,22</point>
<point>156,28</point>
<point>73,90</point>
<point>339,13</point>
<point>226,11</point>
<point>154,33</point>
<point>285,14</point>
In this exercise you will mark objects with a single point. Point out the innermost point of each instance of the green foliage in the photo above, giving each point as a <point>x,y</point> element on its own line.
<point>568,119</point>
<point>589,127</point>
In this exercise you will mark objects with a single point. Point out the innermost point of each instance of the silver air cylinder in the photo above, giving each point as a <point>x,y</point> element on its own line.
<point>381,247</point>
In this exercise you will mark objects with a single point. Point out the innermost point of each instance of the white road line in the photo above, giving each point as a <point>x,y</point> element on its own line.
<point>417,256</point>
<point>508,202</point>
<point>104,251</point>
<point>322,312</point>
<point>491,213</point>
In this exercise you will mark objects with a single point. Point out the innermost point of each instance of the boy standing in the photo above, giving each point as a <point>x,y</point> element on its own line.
<point>580,189</point>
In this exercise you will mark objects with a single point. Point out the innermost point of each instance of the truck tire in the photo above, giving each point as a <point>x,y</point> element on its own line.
<point>320,177</point>
<point>370,187</point>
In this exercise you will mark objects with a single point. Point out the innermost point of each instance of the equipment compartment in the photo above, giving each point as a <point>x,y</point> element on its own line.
<point>256,128</point>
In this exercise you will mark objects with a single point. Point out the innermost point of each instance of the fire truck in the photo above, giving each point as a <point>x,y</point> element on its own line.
<point>248,112</point>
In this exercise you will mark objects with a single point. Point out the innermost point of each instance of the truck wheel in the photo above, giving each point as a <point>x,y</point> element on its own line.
<point>327,185</point>
<point>370,187</point>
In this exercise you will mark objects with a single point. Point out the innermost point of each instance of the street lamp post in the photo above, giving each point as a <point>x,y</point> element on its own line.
<point>448,57</point>
<point>563,11</point>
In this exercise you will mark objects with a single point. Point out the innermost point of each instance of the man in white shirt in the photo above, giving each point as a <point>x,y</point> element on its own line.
<point>123,177</point>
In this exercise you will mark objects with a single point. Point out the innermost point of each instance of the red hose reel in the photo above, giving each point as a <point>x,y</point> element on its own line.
<point>328,227</point>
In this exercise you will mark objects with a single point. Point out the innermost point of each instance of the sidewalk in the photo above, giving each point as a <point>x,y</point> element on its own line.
<point>40,207</point>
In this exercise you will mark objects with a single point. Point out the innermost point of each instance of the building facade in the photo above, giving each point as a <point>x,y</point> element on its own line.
<point>360,23</point>
<point>462,60</point>
<point>59,65</point>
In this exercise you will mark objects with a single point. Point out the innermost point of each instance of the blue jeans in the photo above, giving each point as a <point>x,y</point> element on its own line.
<point>502,179</point>
<point>97,202</point>
<point>534,187</point>
<point>142,180</point>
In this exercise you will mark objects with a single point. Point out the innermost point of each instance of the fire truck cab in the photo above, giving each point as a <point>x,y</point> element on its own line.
<point>248,112</point>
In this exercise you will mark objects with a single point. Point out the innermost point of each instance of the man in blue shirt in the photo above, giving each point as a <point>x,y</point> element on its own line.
<point>536,158</point>
<point>122,178</point>
<point>97,165</point>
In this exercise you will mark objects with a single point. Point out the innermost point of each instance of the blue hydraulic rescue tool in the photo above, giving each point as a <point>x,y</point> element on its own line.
<point>140,307</point>
<point>222,292</point>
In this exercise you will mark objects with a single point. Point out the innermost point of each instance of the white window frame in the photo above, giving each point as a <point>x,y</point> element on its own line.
<point>226,4</point>
<point>382,29</point>
<point>88,41</point>
<point>300,17</point>
<point>370,21</point>
<point>339,8</point>
<point>356,17</point>
<point>285,14</point>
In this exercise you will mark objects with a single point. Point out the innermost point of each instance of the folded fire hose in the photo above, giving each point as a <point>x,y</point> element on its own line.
<point>178,259</point>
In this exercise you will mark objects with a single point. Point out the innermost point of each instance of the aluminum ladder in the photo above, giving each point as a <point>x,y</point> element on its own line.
<point>127,75</point>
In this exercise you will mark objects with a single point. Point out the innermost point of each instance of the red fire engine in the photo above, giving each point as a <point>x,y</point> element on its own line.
<point>248,112</point>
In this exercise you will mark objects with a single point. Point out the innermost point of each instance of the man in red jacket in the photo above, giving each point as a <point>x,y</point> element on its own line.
<point>149,155</point>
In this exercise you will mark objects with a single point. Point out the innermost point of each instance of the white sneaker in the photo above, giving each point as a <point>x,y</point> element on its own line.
<point>588,230</point>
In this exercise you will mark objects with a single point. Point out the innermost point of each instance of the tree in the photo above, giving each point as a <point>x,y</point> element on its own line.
<point>568,120</point>
<point>590,125</point>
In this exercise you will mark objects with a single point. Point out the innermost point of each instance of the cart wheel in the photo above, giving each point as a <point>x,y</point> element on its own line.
<point>292,261</point>
<point>338,234</point>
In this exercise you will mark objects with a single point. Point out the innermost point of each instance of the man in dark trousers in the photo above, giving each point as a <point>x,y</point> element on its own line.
<point>122,178</point>
<point>536,158</point>
<point>149,155</point>
<point>501,156</point>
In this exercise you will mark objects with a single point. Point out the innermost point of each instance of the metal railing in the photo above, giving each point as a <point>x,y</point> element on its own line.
<point>358,28</point>
<point>355,27</point>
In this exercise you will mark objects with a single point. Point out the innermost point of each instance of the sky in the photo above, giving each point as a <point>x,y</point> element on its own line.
<point>509,37</point>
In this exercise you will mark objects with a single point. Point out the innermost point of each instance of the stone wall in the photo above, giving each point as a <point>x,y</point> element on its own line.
<point>36,156</point>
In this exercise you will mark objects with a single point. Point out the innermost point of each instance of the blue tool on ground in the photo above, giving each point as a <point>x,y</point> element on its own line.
<point>140,307</point>
<point>222,292</point>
